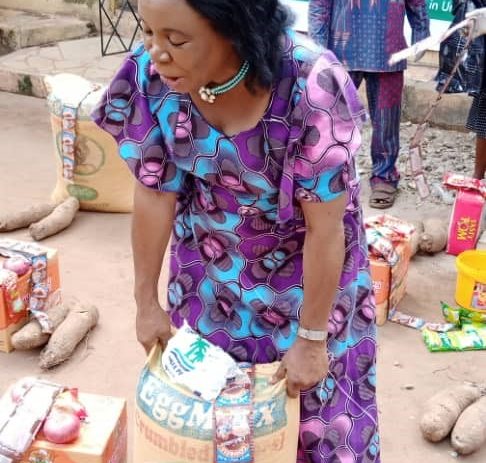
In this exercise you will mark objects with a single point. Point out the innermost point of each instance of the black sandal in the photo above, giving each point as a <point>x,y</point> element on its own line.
<point>383,195</point>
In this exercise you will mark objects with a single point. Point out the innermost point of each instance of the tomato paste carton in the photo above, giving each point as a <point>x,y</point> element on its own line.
<point>103,437</point>
<point>15,298</point>
<point>465,223</point>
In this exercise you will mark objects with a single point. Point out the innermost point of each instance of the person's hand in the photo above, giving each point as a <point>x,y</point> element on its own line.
<point>152,325</point>
<point>305,364</point>
<point>479,16</point>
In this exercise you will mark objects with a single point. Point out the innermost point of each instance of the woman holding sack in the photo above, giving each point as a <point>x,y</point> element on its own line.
<point>243,136</point>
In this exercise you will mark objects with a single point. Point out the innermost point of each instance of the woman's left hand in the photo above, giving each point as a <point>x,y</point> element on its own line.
<point>304,365</point>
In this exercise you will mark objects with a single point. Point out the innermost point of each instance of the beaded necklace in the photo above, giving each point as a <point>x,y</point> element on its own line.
<point>208,94</point>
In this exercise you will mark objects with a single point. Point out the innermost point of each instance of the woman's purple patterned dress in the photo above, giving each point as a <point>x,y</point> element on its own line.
<point>236,256</point>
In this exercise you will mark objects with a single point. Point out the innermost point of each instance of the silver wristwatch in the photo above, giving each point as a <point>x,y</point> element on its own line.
<point>312,335</point>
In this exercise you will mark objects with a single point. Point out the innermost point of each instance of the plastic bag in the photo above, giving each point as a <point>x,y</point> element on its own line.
<point>469,74</point>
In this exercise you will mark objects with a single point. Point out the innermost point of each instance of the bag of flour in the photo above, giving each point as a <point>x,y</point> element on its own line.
<point>87,160</point>
<point>247,423</point>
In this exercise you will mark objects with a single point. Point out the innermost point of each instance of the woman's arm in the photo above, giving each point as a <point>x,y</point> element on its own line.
<point>153,218</point>
<point>323,259</point>
<point>306,362</point>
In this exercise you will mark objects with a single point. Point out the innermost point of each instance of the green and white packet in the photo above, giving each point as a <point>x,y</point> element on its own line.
<point>471,336</point>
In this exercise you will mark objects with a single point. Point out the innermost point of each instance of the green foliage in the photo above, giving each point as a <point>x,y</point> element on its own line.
<point>25,85</point>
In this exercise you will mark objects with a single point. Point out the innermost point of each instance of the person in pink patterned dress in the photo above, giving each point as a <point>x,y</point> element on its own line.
<point>242,137</point>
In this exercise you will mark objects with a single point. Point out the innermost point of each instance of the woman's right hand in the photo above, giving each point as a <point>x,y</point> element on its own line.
<point>152,325</point>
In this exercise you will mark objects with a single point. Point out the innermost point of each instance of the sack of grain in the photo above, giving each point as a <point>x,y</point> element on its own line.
<point>172,425</point>
<point>87,161</point>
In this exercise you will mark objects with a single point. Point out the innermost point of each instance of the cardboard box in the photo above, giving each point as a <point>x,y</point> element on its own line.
<point>103,437</point>
<point>11,322</point>
<point>465,221</point>
<point>390,282</point>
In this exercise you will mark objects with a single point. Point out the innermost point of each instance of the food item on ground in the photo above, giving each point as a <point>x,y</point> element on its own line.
<point>8,285</point>
<point>415,237</point>
<point>62,343</point>
<point>61,427</point>
<point>470,336</point>
<point>380,246</point>
<point>18,264</point>
<point>419,323</point>
<point>461,316</point>
<point>59,219</point>
<point>469,433</point>
<point>31,336</point>
<point>20,422</point>
<point>23,218</point>
<point>434,237</point>
<point>21,387</point>
<point>68,401</point>
<point>459,181</point>
<point>442,410</point>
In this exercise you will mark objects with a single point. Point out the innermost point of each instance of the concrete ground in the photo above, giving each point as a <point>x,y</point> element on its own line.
<point>96,267</point>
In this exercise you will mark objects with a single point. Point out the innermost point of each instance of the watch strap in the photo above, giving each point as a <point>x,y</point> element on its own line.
<point>312,335</point>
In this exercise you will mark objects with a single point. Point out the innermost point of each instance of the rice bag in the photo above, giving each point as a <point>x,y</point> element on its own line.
<point>195,363</point>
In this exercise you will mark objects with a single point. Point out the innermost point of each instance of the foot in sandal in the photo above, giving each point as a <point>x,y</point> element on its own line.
<point>383,195</point>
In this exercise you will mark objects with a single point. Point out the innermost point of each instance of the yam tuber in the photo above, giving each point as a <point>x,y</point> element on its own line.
<point>469,433</point>
<point>62,343</point>
<point>59,219</point>
<point>415,238</point>
<point>25,217</point>
<point>434,236</point>
<point>443,409</point>
<point>31,336</point>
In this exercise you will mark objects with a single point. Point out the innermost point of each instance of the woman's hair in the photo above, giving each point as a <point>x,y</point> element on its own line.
<point>255,28</point>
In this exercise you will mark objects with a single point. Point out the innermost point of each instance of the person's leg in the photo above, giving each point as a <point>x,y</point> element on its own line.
<point>480,160</point>
<point>476,122</point>
<point>356,77</point>
<point>384,92</point>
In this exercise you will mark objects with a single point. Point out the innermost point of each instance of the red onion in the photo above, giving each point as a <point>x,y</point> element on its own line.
<point>61,427</point>
<point>68,402</point>
<point>18,264</point>
<point>18,389</point>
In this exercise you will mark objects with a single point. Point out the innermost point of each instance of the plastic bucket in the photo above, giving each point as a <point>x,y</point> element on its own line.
<point>471,280</point>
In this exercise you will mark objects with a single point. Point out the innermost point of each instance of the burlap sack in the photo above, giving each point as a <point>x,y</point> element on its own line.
<point>101,179</point>
<point>175,426</point>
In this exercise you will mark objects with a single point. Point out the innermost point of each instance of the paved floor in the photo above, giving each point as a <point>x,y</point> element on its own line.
<point>81,57</point>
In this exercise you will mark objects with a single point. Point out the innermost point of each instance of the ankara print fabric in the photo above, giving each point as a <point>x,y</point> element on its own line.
<point>236,255</point>
<point>364,34</point>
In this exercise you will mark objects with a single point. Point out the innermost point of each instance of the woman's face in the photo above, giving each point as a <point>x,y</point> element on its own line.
<point>184,48</point>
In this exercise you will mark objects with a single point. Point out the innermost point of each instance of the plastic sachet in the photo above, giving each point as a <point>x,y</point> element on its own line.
<point>194,362</point>
<point>469,335</point>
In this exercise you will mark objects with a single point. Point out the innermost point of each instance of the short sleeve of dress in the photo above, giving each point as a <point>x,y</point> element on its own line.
<point>127,111</point>
<point>327,120</point>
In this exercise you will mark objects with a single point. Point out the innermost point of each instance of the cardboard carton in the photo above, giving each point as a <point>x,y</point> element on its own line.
<point>390,281</point>
<point>11,322</point>
<point>103,437</point>
<point>465,221</point>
